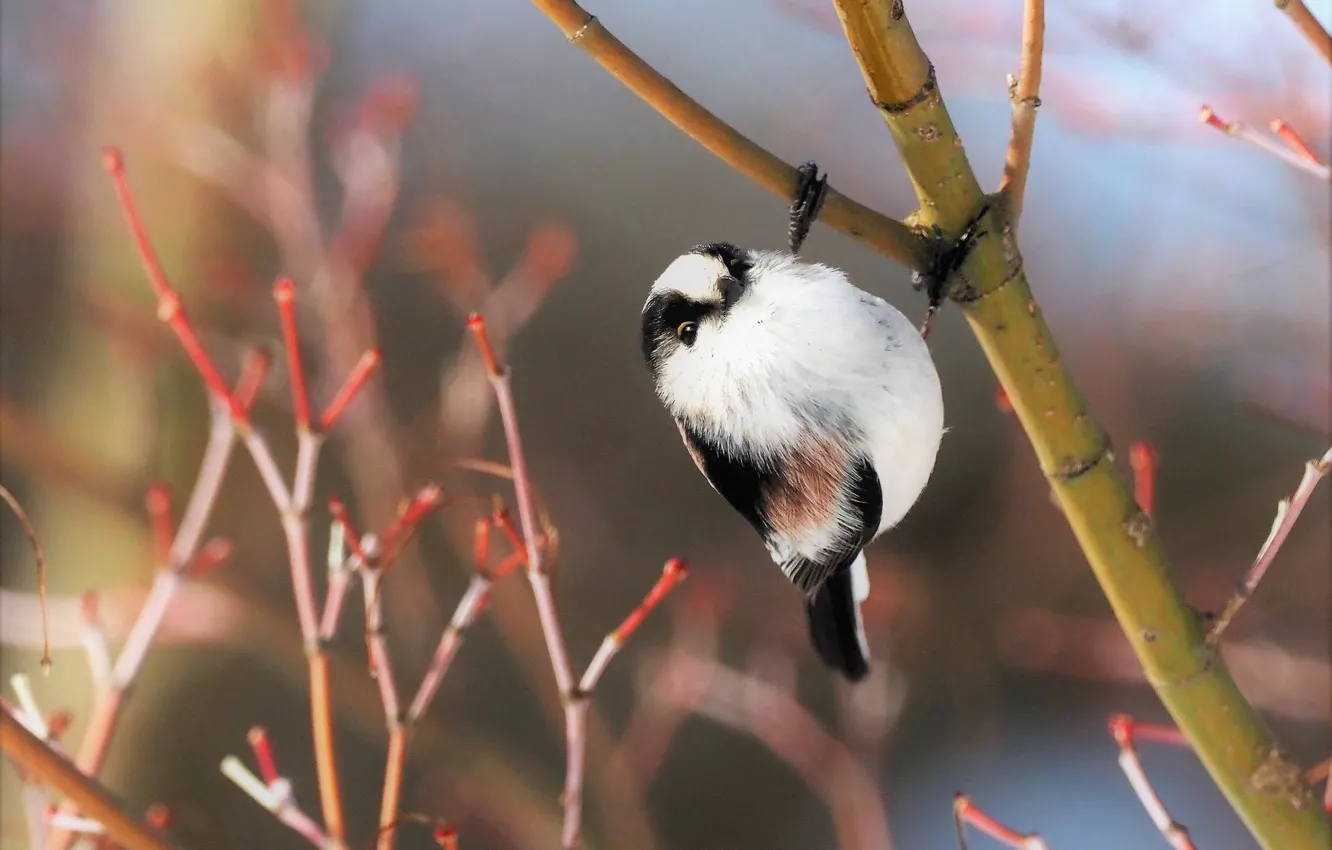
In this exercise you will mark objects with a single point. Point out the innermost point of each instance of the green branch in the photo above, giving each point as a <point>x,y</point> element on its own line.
<point>1074,452</point>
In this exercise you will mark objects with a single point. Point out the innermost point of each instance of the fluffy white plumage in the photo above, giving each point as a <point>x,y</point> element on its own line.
<point>805,349</point>
<point>791,379</point>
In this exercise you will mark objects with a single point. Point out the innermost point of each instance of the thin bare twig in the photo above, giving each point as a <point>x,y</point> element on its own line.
<point>1024,94</point>
<point>574,698</point>
<point>1265,143</point>
<point>966,813</point>
<point>1308,26</point>
<point>40,555</point>
<point>1126,731</point>
<point>109,693</point>
<point>888,236</point>
<point>1288,511</point>
<point>274,793</point>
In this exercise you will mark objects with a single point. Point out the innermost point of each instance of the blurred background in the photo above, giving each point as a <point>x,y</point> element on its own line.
<point>407,161</point>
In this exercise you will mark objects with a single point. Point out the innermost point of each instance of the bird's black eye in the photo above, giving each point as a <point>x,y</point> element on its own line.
<point>687,332</point>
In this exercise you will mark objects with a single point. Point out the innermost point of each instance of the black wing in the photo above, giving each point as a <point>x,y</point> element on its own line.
<point>740,481</point>
<point>768,495</point>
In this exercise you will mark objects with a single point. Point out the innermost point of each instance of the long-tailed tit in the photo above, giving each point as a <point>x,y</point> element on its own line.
<point>812,407</point>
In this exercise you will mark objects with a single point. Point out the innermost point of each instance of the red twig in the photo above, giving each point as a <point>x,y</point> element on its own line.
<point>477,325</point>
<point>1125,731</point>
<point>1288,511</point>
<point>1142,457</point>
<point>675,571</point>
<point>967,813</point>
<point>169,307</point>
<point>347,392</point>
<point>263,754</point>
<point>396,536</point>
<point>1265,143</point>
<point>1287,134</point>
<point>284,293</point>
<point>276,796</point>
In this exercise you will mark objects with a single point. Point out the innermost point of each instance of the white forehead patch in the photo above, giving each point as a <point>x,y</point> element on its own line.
<point>692,275</point>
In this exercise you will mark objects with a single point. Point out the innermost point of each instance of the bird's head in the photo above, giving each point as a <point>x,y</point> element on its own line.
<point>691,301</point>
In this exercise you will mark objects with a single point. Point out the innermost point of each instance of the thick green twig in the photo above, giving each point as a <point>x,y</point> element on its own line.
<point>1116,536</point>
<point>885,235</point>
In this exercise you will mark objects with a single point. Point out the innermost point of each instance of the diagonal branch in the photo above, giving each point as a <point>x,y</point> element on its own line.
<point>1024,93</point>
<point>1074,451</point>
<point>888,236</point>
<point>1288,511</point>
<point>1308,26</point>
<point>37,758</point>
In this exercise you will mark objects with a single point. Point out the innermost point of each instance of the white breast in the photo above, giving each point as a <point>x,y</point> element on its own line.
<point>804,349</point>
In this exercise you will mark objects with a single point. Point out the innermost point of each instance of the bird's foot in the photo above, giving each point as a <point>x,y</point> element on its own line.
<point>943,264</point>
<point>809,195</point>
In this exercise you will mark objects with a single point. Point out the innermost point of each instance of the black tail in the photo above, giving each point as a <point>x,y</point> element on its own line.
<point>835,627</point>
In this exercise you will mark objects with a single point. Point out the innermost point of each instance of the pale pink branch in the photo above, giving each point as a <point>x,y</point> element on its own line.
<point>94,642</point>
<point>547,613</point>
<point>277,798</point>
<point>339,580</point>
<point>109,695</point>
<point>1288,511</point>
<point>380,665</point>
<point>1125,729</point>
<point>1265,143</point>
<point>574,700</point>
<point>463,616</point>
<point>184,546</point>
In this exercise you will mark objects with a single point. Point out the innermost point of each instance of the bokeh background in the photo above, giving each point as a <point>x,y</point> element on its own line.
<point>464,156</point>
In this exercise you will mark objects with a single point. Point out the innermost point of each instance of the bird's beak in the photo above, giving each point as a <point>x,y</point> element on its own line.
<point>731,290</point>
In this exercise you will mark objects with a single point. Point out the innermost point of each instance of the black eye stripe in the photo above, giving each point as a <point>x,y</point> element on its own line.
<point>663,314</point>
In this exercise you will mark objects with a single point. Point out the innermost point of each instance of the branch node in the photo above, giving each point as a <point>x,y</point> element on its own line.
<point>928,88</point>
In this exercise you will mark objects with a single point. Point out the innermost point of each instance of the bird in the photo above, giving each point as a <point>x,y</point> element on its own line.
<point>811,406</point>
